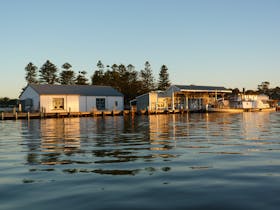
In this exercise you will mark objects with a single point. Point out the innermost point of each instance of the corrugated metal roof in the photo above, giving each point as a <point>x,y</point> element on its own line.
<point>84,90</point>
<point>202,88</point>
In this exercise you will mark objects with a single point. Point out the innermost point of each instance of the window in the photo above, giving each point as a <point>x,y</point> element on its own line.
<point>116,103</point>
<point>58,103</point>
<point>100,103</point>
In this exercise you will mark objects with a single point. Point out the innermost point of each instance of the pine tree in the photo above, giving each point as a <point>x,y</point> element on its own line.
<point>81,78</point>
<point>163,82</point>
<point>67,76</point>
<point>48,73</point>
<point>31,73</point>
<point>98,75</point>
<point>147,78</point>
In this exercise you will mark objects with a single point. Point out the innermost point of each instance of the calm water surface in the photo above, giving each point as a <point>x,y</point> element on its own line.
<point>195,161</point>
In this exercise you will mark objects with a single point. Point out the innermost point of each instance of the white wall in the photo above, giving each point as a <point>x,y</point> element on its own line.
<point>88,103</point>
<point>71,102</point>
<point>30,93</point>
<point>247,104</point>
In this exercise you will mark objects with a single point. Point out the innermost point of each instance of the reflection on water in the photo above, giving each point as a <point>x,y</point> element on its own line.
<point>104,143</point>
<point>205,156</point>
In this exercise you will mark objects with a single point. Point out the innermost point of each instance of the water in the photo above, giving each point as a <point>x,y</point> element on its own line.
<point>195,161</point>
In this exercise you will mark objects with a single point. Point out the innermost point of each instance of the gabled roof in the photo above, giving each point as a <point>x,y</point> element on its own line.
<point>83,90</point>
<point>197,88</point>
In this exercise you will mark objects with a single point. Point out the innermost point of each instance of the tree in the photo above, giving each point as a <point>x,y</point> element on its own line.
<point>133,88</point>
<point>147,78</point>
<point>67,76</point>
<point>275,93</point>
<point>112,78</point>
<point>263,87</point>
<point>4,102</point>
<point>81,78</point>
<point>97,78</point>
<point>100,66</point>
<point>31,73</point>
<point>48,73</point>
<point>98,75</point>
<point>163,82</point>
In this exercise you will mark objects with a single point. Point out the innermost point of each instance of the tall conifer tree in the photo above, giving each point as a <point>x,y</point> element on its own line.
<point>31,73</point>
<point>67,76</point>
<point>163,82</point>
<point>147,78</point>
<point>48,73</point>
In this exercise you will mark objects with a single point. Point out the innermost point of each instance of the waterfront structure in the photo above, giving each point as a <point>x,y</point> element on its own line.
<point>245,103</point>
<point>181,98</point>
<point>70,98</point>
<point>152,101</point>
<point>249,101</point>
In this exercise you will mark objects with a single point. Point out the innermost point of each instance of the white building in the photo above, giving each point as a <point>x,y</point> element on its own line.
<point>153,101</point>
<point>70,98</point>
<point>250,101</point>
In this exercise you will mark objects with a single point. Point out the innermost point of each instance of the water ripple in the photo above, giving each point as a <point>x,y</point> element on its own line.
<point>201,161</point>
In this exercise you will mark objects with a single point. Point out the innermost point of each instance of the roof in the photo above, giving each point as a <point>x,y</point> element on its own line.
<point>202,88</point>
<point>83,90</point>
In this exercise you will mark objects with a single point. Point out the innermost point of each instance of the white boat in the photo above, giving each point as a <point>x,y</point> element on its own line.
<point>239,110</point>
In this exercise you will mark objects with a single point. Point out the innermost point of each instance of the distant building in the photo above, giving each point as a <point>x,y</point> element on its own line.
<point>250,101</point>
<point>152,101</point>
<point>181,97</point>
<point>70,98</point>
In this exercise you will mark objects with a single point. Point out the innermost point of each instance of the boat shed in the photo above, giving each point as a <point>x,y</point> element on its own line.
<point>182,98</point>
<point>194,97</point>
<point>70,98</point>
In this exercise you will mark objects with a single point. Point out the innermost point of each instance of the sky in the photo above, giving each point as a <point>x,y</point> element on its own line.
<point>230,43</point>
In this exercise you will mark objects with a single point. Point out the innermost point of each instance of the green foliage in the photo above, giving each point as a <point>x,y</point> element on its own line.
<point>67,76</point>
<point>48,73</point>
<point>66,66</point>
<point>123,78</point>
<point>7,102</point>
<point>264,87</point>
<point>147,78</point>
<point>163,82</point>
<point>31,73</point>
<point>275,93</point>
<point>98,76</point>
<point>81,78</point>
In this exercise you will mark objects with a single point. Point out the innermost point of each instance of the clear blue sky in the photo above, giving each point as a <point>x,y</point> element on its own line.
<point>231,43</point>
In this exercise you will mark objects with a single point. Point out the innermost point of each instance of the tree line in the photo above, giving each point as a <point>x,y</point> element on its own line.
<point>263,88</point>
<point>125,79</point>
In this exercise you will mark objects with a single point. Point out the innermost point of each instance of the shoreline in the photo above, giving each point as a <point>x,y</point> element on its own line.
<point>41,115</point>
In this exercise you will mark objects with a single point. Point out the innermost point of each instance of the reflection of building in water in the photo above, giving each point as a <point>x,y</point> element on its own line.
<point>254,124</point>
<point>162,132</point>
<point>60,135</point>
<point>48,140</point>
<point>32,140</point>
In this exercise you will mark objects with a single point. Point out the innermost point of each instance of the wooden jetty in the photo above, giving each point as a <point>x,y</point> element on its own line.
<point>95,113</point>
<point>41,115</point>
